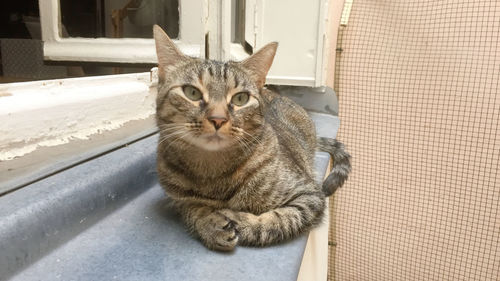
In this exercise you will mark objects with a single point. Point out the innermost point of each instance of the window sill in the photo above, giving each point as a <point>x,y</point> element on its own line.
<point>47,114</point>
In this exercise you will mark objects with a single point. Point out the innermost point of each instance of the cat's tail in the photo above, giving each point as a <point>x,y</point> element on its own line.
<point>341,164</point>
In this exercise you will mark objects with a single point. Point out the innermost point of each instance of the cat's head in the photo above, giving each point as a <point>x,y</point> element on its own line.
<point>209,104</point>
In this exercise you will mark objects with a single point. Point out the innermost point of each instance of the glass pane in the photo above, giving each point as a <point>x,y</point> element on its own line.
<point>118,18</point>
<point>238,25</point>
<point>238,21</point>
<point>13,36</point>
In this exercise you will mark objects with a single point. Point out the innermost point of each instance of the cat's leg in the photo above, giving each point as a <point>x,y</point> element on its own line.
<point>216,230</point>
<point>299,214</point>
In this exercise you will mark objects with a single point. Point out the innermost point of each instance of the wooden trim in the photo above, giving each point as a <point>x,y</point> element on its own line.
<point>314,265</point>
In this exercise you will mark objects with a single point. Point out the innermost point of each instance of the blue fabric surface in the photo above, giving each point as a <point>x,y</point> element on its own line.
<point>145,240</point>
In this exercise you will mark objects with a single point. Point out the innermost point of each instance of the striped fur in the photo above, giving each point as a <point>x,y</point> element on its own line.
<point>255,184</point>
<point>341,164</point>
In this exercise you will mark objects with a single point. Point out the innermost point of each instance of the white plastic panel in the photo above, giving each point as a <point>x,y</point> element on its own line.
<point>298,26</point>
<point>294,24</point>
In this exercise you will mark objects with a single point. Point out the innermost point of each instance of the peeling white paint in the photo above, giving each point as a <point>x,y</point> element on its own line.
<point>48,113</point>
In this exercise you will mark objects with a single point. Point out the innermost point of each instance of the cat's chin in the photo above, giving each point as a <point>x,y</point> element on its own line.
<point>211,142</point>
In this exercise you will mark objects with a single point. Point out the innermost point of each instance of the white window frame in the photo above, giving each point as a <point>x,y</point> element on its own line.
<point>198,18</point>
<point>123,50</point>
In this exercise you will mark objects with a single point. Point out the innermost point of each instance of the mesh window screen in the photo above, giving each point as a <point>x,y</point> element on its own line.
<point>418,83</point>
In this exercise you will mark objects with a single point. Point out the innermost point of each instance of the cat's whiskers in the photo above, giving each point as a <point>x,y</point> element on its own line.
<point>244,145</point>
<point>181,137</point>
<point>171,127</point>
<point>179,125</point>
<point>241,139</point>
<point>171,135</point>
<point>254,138</point>
<point>171,130</point>
<point>168,133</point>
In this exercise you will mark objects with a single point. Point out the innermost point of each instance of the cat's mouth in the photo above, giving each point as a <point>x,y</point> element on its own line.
<point>212,142</point>
<point>215,137</point>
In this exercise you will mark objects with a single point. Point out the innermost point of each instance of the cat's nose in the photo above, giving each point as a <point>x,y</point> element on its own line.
<point>217,121</point>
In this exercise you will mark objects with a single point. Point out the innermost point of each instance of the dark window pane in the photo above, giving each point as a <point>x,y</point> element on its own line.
<point>119,18</point>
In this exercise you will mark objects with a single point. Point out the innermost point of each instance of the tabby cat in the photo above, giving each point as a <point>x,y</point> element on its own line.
<point>235,157</point>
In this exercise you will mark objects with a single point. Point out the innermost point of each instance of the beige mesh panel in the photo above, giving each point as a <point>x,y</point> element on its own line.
<point>418,82</point>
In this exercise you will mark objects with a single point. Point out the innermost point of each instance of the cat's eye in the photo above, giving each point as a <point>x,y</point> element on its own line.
<point>192,93</point>
<point>240,99</point>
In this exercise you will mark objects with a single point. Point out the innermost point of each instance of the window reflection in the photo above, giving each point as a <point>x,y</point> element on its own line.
<point>118,18</point>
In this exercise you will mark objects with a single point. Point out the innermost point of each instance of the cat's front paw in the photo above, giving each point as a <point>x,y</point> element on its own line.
<point>218,231</point>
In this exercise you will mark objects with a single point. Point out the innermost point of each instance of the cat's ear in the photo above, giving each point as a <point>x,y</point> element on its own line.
<point>259,63</point>
<point>168,54</point>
